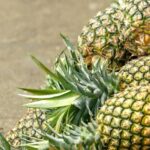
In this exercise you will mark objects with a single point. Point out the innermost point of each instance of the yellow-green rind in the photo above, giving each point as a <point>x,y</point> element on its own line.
<point>124,120</point>
<point>135,72</point>
<point>28,126</point>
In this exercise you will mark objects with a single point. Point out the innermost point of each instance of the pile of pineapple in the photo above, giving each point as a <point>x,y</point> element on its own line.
<point>98,96</point>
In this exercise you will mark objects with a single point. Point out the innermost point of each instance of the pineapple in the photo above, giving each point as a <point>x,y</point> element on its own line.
<point>85,90</point>
<point>127,109</point>
<point>118,34</point>
<point>74,93</point>
<point>33,119</point>
<point>74,138</point>
<point>88,89</point>
<point>124,120</point>
<point>122,123</point>
<point>134,73</point>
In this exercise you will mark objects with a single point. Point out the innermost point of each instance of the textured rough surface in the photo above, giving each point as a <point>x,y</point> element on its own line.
<point>118,33</point>
<point>124,120</point>
<point>135,72</point>
<point>33,27</point>
<point>34,118</point>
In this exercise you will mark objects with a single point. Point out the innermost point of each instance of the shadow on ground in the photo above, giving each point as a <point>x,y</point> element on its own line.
<point>33,27</point>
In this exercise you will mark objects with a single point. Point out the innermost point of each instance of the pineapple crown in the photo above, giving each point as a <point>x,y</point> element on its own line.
<point>73,138</point>
<point>73,92</point>
<point>73,95</point>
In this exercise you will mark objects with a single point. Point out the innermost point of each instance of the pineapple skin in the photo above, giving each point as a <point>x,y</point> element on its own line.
<point>124,120</point>
<point>118,33</point>
<point>28,126</point>
<point>135,72</point>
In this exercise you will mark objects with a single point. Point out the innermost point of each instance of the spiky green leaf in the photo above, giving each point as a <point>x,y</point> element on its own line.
<point>45,69</point>
<point>4,145</point>
<point>42,91</point>
<point>40,145</point>
<point>59,101</point>
<point>47,96</point>
<point>67,42</point>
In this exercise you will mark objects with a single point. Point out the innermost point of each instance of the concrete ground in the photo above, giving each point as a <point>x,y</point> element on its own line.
<point>33,27</point>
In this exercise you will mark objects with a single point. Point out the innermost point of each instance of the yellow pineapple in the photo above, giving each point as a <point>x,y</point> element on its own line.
<point>119,33</point>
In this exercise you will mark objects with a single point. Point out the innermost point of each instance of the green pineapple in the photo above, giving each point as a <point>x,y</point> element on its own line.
<point>135,72</point>
<point>119,33</point>
<point>73,138</point>
<point>124,120</point>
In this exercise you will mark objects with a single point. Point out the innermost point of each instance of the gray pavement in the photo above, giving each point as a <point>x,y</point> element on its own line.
<point>33,27</point>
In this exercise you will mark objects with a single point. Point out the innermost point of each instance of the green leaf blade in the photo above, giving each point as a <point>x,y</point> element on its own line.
<point>42,145</point>
<point>3,143</point>
<point>65,100</point>
<point>41,91</point>
<point>44,68</point>
<point>67,42</point>
<point>42,97</point>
